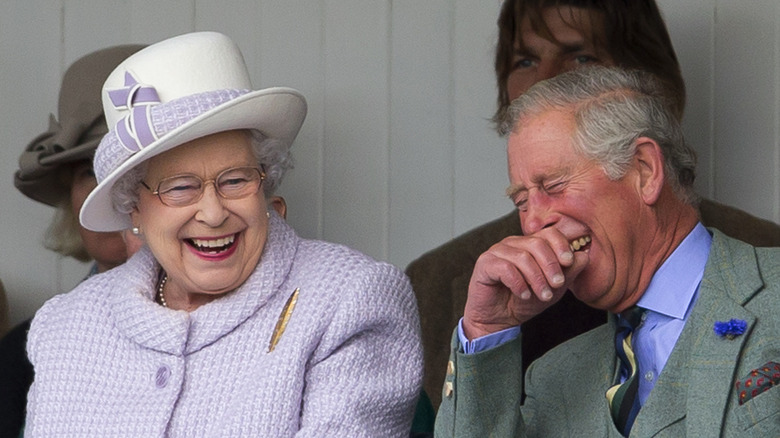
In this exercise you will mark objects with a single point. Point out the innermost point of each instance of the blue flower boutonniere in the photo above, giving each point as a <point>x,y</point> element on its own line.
<point>730,329</point>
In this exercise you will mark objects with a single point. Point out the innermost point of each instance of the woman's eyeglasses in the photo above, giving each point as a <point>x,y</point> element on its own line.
<point>184,190</point>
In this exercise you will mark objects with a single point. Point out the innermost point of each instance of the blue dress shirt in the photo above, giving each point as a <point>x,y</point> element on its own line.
<point>669,299</point>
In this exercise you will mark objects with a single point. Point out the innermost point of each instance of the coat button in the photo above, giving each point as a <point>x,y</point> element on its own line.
<point>162,377</point>
<point>448,389</point>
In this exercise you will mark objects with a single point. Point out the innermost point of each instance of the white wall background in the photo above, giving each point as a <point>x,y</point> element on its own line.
<point>396,155</point>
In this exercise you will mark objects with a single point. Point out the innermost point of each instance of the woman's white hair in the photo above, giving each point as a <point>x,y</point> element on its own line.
<point>612,108</point>
<point>63,235</point>
<point>272,155</point>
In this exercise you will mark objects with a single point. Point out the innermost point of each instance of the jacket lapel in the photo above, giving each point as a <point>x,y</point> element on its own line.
<point>696,381</point>
<point>712,364</point>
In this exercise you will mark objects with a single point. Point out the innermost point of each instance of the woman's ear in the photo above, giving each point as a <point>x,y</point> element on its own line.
<point>133,240</point>
<point>649,162</point>
<point>279,205</point>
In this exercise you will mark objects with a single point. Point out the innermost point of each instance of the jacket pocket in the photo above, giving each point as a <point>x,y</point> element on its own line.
<point>760,416</point>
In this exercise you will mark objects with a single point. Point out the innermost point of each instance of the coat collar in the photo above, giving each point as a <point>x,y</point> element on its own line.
<point>144,322</point>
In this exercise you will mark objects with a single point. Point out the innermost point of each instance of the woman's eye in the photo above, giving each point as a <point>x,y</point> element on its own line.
<point>233,182</point>
<point>182,188</point>
<point>179,186</point>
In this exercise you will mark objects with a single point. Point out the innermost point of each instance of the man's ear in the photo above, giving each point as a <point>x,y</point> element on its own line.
<point>279,205</point>
<point>649,162</point>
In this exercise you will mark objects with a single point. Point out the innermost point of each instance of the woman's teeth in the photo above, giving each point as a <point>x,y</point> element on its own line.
<point>214,245</point>
<point>580,243</point>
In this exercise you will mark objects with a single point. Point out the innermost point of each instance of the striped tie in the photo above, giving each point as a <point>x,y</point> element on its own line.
<point>622,398</point>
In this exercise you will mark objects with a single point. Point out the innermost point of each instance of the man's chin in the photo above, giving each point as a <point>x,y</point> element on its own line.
<point>589,297</point>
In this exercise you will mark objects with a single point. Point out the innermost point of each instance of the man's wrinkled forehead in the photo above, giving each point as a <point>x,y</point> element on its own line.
<point>542,144</point>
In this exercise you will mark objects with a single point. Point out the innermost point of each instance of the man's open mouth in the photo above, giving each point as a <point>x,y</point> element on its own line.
<point>579,244</point>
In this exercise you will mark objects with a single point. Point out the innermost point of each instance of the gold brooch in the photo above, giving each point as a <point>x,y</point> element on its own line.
<point>281,324</point>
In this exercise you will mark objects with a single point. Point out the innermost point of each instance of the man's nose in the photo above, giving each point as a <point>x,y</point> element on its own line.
<point>538,213</point>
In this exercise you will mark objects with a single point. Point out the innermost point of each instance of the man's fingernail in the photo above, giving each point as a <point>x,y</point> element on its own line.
<point>526,295</point>
<point>546,294</point>
<point>567,256</point>
<point>557,279</point>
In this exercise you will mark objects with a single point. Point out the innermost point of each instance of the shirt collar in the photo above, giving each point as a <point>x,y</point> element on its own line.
<point>674,285</point>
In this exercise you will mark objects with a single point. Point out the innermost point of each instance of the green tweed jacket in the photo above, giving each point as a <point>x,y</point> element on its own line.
<point>694,396</point>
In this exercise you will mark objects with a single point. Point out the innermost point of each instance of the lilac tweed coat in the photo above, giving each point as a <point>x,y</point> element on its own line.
<point>110,362</point>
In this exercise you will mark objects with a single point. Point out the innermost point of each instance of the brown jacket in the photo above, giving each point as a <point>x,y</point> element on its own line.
<point>440,280</point>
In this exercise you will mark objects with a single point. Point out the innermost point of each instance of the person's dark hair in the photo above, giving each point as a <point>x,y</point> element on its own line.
<point>635,36</point>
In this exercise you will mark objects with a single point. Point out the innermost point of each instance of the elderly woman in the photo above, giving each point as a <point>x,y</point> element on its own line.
<point>226,323</point>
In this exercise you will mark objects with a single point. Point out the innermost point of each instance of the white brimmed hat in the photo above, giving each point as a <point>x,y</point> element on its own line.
<point>170,93</point>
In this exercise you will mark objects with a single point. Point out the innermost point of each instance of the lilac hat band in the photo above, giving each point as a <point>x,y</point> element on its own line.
<point>135,129</point>
<point>149,120</point>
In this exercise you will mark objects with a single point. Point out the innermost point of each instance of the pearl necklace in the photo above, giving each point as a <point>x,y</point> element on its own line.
<point>160,294</point>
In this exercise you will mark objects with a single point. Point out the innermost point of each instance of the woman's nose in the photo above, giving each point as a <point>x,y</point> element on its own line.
<point>211,209</point>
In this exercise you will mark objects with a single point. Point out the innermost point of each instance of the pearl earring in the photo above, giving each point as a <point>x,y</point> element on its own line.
<point>268,214</point>
<point>136,231</point>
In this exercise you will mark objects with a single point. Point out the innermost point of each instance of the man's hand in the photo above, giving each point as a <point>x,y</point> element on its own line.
<point>518,278</point>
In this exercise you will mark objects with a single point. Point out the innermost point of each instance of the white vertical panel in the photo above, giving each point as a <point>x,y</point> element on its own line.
<point>155,20</point>
<point>480,155</point>
<point>421,148</point>
<point>745,105</point>
<point>30,75</point>
<point>291,52</point>
<point>90,25</point>
<point>238,19</point>
<point>690,25</point>
<point>95,24</point>
<point>356,112</point>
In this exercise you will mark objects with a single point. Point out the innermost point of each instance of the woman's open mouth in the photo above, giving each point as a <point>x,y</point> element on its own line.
<point>212,246</point>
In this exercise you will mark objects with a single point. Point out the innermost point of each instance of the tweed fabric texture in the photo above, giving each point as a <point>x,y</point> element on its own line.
<point>110,362</point>
<point>165,117</point>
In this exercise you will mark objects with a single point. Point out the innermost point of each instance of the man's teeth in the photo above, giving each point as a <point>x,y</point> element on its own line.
<point>579,243</point>
<point>216,243</point>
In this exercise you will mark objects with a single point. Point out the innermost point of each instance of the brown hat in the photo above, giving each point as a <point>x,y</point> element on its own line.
<point>80,127</point>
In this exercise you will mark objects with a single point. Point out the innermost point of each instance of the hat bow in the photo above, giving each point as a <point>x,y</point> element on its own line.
<point>135,130</point>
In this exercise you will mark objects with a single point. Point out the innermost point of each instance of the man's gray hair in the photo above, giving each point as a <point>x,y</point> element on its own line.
<point>271,153</point>
<point>612,108</point>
